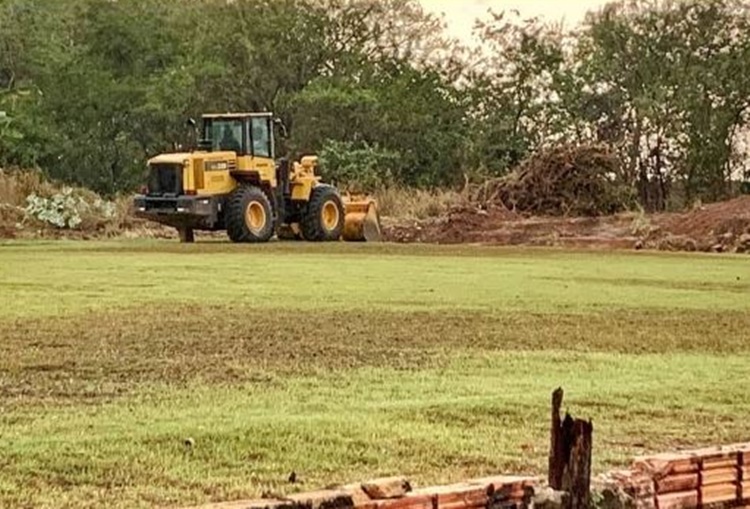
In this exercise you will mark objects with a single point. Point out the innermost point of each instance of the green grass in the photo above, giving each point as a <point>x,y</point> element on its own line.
<point>347,361</point>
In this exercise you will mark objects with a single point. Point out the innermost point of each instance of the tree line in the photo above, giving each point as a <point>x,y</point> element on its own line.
<point>89,89</point>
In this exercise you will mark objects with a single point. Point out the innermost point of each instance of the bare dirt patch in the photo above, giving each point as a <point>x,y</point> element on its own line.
<point>720,227</point>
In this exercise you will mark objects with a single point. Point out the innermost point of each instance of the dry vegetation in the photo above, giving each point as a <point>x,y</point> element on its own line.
<point>99,217</point>
<point>561,181</point>
<point>403,204</point>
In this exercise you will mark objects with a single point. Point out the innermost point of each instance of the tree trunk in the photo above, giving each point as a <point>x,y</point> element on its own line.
<point>556,451</point>
<point>577,479</point>
<point>570,455</point>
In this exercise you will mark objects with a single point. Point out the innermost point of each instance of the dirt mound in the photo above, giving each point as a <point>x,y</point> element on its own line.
<point>561,181</point>
<point>720,227</point>
<point>501,227</point>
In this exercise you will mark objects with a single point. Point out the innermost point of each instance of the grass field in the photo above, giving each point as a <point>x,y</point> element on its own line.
<point>342,362</point>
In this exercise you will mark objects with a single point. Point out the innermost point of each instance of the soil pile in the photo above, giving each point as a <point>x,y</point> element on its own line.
<point>719,227</point>
<point>561,181</point>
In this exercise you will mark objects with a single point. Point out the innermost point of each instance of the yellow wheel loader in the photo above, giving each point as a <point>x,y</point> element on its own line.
<point>232,182</point>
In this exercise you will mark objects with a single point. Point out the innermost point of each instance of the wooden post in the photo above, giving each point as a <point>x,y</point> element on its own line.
<point>578,473</point>
<point>556,453</point>
<point>570,455</point>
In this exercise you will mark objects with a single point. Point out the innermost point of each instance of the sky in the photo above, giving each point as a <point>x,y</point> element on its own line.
<point>460,14</point>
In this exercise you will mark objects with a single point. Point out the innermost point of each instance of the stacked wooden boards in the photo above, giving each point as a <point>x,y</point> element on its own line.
<point>703,478</point>
<point>500,492</point>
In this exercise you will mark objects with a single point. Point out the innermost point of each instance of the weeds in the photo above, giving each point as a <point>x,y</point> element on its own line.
<point>402,203</point>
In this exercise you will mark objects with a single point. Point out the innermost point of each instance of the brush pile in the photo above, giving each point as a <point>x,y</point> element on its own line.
<point>562,181</point>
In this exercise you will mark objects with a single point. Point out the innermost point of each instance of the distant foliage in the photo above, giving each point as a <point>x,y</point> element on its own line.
<point>358,167</point>
<point>91,88</point>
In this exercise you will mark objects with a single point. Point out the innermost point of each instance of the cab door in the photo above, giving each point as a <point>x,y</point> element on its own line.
<point>260,145</point>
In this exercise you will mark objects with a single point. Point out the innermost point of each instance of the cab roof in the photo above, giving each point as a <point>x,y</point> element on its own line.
<point>236,115</point>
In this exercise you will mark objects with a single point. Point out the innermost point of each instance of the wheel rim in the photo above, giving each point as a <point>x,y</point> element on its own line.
<point>255,216</point>
<point>330,215</point>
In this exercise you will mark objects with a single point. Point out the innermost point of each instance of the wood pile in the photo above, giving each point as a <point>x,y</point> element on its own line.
<point>500,492</point>
<point>704,478</point>
<point>568,180</point>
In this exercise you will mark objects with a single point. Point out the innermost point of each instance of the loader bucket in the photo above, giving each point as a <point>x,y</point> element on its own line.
<point>361,221</point>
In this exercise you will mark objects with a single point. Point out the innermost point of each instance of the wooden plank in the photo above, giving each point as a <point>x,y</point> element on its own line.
<point>718,493</point>
<point>720,476</point>
<point>685,462</point>
<point>744,454</point>
<point>493,483</point>
<point>463,505</point>
<point>387,487</point>
<point>716,453</point>
<point>681,500</point>
<point>663,465</point>
<point>455,492</point>
<point>677,483</point>
<point>636,484</point>
<point>721,463</point>
<point>408,502</point>
<point>745,490</point>
<point>361,499</point>
<point>323,499</point>
<point>246,504</point>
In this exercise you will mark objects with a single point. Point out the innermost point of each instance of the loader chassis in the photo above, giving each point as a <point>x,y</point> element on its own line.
<point>233,183</point>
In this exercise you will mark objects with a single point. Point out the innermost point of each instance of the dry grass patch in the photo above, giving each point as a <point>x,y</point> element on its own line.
<point>102,355</point>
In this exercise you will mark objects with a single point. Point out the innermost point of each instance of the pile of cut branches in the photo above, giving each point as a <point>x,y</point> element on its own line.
<point>580,180</point>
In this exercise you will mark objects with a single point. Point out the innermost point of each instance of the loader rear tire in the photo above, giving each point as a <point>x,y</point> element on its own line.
<point>323,219</point>
<point>249,215</point>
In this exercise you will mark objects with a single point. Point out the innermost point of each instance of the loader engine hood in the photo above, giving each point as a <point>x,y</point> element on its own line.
<point>178,158</point>
<point>182,158</point>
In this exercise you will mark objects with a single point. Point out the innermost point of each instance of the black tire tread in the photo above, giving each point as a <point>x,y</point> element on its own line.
<point>237,230</point>
<point>311,224</point>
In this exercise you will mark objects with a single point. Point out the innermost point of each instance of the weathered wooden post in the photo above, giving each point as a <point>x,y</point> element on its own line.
<point>570,455</point>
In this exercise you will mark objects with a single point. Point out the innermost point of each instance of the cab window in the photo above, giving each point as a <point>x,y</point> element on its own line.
<point>261,138</point>
<point>225,134</point>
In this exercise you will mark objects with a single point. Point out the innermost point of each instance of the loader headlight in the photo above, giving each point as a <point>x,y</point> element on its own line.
<point>182,209</point>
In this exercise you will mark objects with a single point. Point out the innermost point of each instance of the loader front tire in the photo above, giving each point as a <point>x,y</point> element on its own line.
<point>323,219</point>
<point>249,215</point>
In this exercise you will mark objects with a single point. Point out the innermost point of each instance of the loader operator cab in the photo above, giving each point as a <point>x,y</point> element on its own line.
<point>248,134</point>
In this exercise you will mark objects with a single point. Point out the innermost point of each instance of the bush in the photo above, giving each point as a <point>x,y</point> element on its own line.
<point>67,209</point>
<point>357,167</point>
<point>28,199</point>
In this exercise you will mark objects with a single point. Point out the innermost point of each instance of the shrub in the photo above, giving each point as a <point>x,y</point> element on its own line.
<point>68,208</point>
<point>357,167</point>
